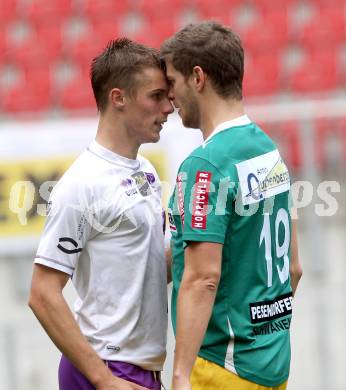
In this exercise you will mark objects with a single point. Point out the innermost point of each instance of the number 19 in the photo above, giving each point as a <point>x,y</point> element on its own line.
<point>281,250</point>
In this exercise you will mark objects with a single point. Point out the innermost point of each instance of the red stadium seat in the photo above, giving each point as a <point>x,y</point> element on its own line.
<point>262,75</point>
<point>8,11</point>
<point>164,28</point>
<point>50,36</point>
<point>33,95</point>
<point>155,9</point>
<point>268,33</point>
<point>291,145</point>
<point>84,48</point>
<point>326,130</point>
<point>101,10</point>
<point>2,44</point>
<point>286,136</point>
<point>342,126</point>
<point>326,4</point>
<point>44,12</point>
<point>317,73</point>
<point>207,7</point>
<point>40,75</point>
<point>146,36</point>
<point>107,30</point>
<point>219,10</point>
<point>33,51</point>
<point>326,30</point>
<point>77,94</point>
<point>271,6</point>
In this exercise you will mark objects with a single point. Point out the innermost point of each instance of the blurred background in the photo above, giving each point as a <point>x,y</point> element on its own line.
<point>294,87</point>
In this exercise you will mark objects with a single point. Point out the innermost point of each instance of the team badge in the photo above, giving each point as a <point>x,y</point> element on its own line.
<point>142,183</point>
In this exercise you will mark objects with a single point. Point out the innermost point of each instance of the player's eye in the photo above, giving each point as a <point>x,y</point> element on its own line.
<point>158,96</point>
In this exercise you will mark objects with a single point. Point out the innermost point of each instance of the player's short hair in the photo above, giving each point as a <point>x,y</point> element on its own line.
<point>213,47</point>
<point>117,67</point>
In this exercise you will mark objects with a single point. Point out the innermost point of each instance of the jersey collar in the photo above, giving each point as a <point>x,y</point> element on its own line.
<point>112,157</point>
<point>239,121</point>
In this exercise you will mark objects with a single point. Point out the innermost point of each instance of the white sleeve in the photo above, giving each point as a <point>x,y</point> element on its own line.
<point>66,231</point>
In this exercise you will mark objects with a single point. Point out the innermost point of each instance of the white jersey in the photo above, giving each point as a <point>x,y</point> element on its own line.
<point>105,229</point>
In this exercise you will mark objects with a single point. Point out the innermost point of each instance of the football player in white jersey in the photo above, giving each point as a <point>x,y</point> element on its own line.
<point>104,231</point>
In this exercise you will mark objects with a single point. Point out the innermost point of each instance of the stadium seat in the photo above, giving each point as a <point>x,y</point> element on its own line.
<point>326,130</point>
<point>318,73</point>
<point>33,95</point>
<point>43,12</point>
<point>33,50</point>
<point>265,6</point>
<point>342,125</point>
<point>164,28</point>
<point>286,136</point>
<point>50,37</point>
<point>146,36</point>
<point>268,33</point>
<point>262,75</point>
<point>2,44</point>
<point>291,144</point>
<point>325,30</point>
<point>107,30</point>
<point>207,7</point>
<point>219,10</point>
<point>102,10</point>
<point>84,48</point>
<point>155,9</point>
<point>327,4</point>
<point>8,11</point>
<point>77,94</point>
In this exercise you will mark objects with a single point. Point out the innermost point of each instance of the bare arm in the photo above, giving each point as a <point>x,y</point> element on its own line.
<point>296,271</point>
<point>48,304</point>
<point>195,300</point>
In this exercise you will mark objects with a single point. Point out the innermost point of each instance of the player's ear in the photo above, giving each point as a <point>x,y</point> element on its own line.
<point>198,78</point>
<point>117,98</point>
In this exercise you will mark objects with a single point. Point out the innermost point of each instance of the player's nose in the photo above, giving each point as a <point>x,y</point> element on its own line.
<point>168,106</point>
<point>170,94</point>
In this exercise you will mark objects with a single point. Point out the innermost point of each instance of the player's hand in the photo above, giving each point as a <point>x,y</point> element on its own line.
<point>115,383</point>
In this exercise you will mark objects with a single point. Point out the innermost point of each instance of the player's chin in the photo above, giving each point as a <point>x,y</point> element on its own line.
<point>154,137</point>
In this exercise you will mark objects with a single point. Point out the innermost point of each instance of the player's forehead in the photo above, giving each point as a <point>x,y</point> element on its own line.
<point>152,78</point>
<point>171,72</point>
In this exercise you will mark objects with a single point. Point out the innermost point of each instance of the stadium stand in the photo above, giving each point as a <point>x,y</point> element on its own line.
<point>294,48</point>
<point>267,29</point>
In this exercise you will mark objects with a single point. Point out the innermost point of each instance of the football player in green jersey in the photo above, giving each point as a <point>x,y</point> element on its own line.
<point>234,250</point>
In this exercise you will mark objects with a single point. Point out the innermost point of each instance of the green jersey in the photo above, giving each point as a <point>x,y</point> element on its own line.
<point>234,190</point>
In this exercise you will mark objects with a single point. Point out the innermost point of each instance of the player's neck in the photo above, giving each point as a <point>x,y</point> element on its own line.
<point>115,138</point>
<point>216,111</point>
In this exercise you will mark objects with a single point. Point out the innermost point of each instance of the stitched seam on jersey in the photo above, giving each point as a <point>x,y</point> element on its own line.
<point>55,262</point>
<point>203,159</point>
<point>225,129</point>
<point>114,162</point>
